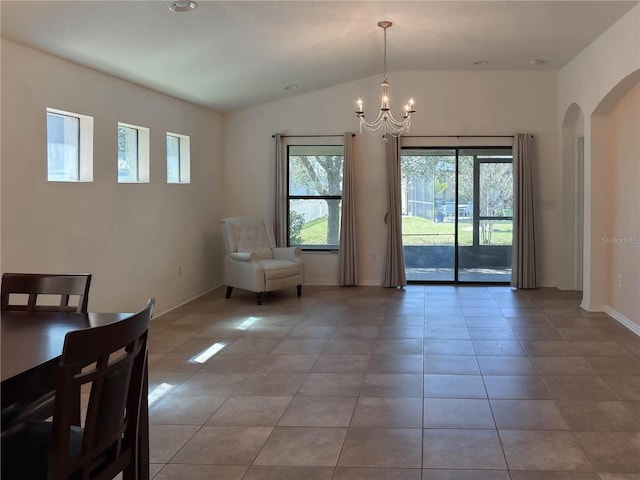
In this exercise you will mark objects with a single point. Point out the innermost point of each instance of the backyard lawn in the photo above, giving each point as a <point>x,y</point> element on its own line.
<point>314,232</point>
<point>420,231</point>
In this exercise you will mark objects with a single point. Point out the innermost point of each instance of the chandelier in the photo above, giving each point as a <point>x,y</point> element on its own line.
<point>385,122</point>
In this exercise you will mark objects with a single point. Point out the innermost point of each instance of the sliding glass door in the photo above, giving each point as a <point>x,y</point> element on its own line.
<point>457,214</point>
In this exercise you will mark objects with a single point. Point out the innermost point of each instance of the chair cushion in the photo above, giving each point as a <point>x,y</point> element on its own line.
<point>275,269</point>
<point>252,237</point>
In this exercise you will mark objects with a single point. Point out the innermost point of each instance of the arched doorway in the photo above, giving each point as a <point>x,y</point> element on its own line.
<point>615,202</point>
<point>572,195</point>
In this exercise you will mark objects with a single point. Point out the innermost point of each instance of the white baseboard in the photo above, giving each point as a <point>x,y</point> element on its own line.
<point>548,284</point>
<point>627,322</point>
<point>183,301</point>
<point>591,307</point>
<point>320,282</point>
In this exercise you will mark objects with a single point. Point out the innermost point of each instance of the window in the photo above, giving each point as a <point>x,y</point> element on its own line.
<point>69,146</point>
<point>315,195</point>
<point>178,158</point>
<point>133,154</point>
<point>495,199</point>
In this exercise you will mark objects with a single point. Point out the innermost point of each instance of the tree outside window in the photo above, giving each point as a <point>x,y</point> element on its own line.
<point>315,195</point>
<point>484,206</point>
<point>127,154</point>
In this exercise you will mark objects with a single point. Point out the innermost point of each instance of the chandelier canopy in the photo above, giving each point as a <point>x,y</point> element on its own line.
<point>385,122</point>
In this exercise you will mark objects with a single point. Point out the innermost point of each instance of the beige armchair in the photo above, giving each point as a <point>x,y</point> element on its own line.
<point>252,260</point>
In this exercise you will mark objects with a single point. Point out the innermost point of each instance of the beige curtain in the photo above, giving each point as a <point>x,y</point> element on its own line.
<point>281,191</point>
<point>523,274</point>
<point>347,265</point>
<point>394,275</point>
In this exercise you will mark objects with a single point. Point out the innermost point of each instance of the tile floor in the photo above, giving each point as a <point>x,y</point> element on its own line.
<point>429,382</point>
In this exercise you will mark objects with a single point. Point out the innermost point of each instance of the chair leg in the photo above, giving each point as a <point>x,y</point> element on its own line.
<point>299,287</point>
<point>259,298</point>
<point>228,294</point>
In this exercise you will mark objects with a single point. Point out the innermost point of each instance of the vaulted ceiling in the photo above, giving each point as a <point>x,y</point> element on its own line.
<point>227,55</point>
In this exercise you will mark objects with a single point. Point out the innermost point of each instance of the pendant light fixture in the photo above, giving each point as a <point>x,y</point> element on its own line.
<point>385,123</point>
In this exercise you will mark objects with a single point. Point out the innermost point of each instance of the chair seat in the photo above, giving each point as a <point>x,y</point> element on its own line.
<point>275,269</point>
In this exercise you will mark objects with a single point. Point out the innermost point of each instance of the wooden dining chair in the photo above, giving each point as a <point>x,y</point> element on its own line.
<point>111,361</point>
<point>32,287</point>
<point>23,292</point>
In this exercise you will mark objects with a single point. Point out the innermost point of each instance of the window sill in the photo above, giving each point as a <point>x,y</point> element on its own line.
<point>318,250</point>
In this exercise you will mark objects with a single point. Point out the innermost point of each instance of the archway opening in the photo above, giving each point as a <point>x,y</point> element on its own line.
<point>572,194</point>
<point>615,202</point>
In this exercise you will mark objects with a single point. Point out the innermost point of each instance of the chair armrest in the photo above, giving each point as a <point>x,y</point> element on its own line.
<point>293,254</point>
<point>244,256</point>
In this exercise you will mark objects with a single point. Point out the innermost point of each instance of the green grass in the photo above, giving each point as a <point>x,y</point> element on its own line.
<point>419,231</point>
<point>315,232</point>
<point>422,231</point>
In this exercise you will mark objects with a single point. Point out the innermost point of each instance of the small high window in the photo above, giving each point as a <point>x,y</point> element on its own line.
<point>133,154</point>
<point>178,158</point>
<point>69,146</point>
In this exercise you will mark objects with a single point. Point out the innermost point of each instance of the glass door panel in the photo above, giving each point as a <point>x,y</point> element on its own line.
<point>429,214</point>
<point>488,258</point>
<point>457,207</point>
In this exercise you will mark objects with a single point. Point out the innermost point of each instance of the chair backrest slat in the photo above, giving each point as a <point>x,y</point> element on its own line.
<point>34,285</point>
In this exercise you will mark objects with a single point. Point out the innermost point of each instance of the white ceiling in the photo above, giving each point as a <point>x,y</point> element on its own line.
<point>231,54</point>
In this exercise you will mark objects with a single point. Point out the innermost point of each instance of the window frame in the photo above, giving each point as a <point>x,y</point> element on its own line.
<point>184,158</point>
<point>290,197</point>
<point>142,153</point>
<point>499,157</point>
<point>84,145</point>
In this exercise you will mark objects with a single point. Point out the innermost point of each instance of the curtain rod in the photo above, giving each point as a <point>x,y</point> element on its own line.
<point>312,136</point>
<point>405,136</point>
<point>458,136</point>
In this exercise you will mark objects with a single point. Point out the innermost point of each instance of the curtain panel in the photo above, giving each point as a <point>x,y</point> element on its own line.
<point>281,192</point>
<point>523,269</point>
<point>347,264</point>
<point>394,274</point>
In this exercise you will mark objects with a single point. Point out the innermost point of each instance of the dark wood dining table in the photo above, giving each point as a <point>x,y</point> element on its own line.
<point>31,346</point>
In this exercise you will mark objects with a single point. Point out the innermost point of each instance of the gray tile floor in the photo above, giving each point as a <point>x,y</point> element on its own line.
<point>429,382</point>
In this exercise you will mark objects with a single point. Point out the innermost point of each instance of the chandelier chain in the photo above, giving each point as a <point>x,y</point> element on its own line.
<point>385,54</point>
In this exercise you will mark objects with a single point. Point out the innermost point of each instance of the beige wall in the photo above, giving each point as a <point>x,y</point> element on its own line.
<point>447,103</point>
<point>594,81</point>
<point>621,196</point>
<point>132,238</point>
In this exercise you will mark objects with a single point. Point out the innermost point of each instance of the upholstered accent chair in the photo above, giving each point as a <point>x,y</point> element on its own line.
<point>252,260</point>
